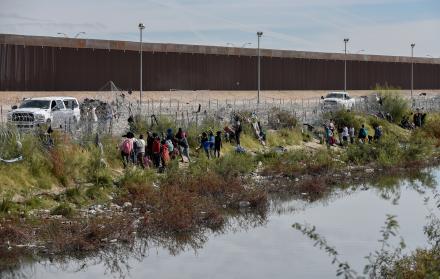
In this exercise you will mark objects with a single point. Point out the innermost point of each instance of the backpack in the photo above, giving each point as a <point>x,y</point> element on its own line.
<point>363,133</point>
<point>156,146</point>
<point>170,145</point>
<point>127,146</point>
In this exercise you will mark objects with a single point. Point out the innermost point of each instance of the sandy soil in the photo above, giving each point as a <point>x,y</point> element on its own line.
<point>9,98</point>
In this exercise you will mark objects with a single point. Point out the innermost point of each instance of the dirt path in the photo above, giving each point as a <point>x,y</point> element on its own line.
<point>8,98</point>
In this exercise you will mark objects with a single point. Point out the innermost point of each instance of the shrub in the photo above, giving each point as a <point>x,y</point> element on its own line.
<point>233,164</point>
<point>432,127</point>
<point>393,103</point>
<point>281,119</point>
<point>284,137</point>
<point>63,209</point>
<point>345,118</point>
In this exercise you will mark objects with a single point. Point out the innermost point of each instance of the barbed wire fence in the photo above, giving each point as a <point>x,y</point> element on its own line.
<point>109,114</point>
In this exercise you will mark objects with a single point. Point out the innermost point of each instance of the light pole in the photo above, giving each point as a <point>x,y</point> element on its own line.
<point>345,64</point>
<point>259,34</point>
<point>412,69</point>
<point>79,33</point>
<point>141,27</point>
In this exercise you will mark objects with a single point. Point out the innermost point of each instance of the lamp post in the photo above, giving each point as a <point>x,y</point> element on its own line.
<point>259,34</point>
<point>79,33</point>
<point>345,64</point>
<point>141,27</point>
<point>412,69</point>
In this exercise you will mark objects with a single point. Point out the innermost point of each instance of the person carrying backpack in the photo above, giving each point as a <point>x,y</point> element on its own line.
<point>377,133</point>
<point>363,134</point>
<point>126,148</point>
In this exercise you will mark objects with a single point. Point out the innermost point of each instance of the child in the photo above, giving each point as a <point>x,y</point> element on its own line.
<point>218,144</point>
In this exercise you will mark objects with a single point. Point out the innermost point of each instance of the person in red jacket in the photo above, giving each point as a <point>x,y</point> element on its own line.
<point>156,150</point>
<point>165,154</point>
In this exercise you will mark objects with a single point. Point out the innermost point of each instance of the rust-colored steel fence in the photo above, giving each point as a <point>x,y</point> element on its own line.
<point>48,68</point>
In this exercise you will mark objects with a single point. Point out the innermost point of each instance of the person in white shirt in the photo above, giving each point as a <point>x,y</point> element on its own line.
<point>352,135</point>
<point>140,151</point>
<point>345,135</point>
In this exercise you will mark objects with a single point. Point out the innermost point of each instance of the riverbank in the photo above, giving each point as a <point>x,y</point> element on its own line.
<point>64,201</point>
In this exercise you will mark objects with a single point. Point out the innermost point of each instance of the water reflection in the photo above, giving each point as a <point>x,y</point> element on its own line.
<point>115,259</point>
<point>266,233</point>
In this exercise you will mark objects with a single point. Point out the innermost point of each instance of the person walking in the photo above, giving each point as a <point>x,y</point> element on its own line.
<point>156,150</point>
<point>218,144</point>
<point>345,135</point>
<point>377,133</point>
<point>126,148</point>
<point>140,151</point>
<point>238,130</point>
<point>352,134</point>
<point>363,134</point>
<point>205,144</point>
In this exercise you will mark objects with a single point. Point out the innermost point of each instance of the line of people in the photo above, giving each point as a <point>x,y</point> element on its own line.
<point>211,144</point>
<point>156,151</point>
<point>348,134</point>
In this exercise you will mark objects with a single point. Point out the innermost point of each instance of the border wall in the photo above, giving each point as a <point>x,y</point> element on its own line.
<point>32,63</point>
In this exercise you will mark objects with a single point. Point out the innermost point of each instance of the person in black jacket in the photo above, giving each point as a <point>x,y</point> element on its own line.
<point>218,144</point>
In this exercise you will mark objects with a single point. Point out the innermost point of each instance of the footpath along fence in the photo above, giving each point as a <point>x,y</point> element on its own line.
<point>185,113</point>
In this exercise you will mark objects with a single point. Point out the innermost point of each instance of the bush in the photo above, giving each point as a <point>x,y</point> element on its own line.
<point>393,103</point>
<point>344,118</point>
<point>281,119</point>
<point>432,127</point>
<point>284,137</point>
<point>63,209</point>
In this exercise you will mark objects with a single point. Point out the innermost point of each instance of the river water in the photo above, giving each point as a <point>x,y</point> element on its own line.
<point>350,220</point>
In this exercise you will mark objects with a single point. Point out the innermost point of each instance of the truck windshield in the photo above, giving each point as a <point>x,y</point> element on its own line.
<point>335,95</point>
<point>41,104</point>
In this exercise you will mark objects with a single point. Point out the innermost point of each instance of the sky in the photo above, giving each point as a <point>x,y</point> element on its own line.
<point>385,27</point>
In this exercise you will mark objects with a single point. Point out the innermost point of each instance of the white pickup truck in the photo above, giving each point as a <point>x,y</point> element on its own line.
<point>336,100</point>
<point>52,111</point>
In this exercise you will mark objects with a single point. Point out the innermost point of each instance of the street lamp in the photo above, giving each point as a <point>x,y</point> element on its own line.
<point>64,34</point>
<point>259,34</point>
<point>141,27</point>
<point>79,33</point>
<point>345,64</point>
<point>412,69</point>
